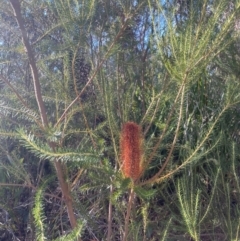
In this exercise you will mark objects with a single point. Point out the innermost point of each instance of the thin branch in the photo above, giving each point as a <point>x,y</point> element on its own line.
<point>195,151</point>
<point>94,74</point>
<point>109,232</point>
<point>20,98</point>
<point>37,88</point>
<point>15,91</point>
<point>158,97</point>
<point>167,124</point>
<point>130,202</point>
<point>152,179</point>
<point>28,186</point>
<point>16,185</point>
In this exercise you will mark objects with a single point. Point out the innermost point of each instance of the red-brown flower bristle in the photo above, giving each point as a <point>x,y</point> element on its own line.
<point>131,150</point>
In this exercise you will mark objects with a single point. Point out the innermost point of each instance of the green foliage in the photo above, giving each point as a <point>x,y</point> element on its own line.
<point>38,216</point>
<point>44,152</point>
<point>145,194</point>
<point>75,233</point>
<point>170,66</point>
<point>39,220</point>
<point>189,203</point>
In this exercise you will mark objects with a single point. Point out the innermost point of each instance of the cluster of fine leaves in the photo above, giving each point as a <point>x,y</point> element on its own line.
<point>170,66</point>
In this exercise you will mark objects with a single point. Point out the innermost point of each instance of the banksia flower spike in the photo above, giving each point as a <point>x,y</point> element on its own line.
<point>131,150</point>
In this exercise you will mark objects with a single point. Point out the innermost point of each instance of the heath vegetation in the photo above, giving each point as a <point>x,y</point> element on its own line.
<point>119,120</point>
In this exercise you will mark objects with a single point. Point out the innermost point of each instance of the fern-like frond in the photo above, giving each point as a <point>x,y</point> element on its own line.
<point>43,151</point>
<point>75,234</point>
<point>187,52</point>
<point>189,206</point>
<point>38,215</point>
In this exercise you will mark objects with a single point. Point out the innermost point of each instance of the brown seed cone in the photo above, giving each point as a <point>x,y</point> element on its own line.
<point>131,150</point>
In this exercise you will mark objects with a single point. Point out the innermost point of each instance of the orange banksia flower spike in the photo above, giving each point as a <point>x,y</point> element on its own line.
<point>131,150</point>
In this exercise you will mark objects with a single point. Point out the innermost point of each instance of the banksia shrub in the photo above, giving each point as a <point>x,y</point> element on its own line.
<point>131,150</point>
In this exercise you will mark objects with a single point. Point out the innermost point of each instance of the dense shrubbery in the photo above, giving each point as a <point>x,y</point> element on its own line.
<point>72,73</point>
